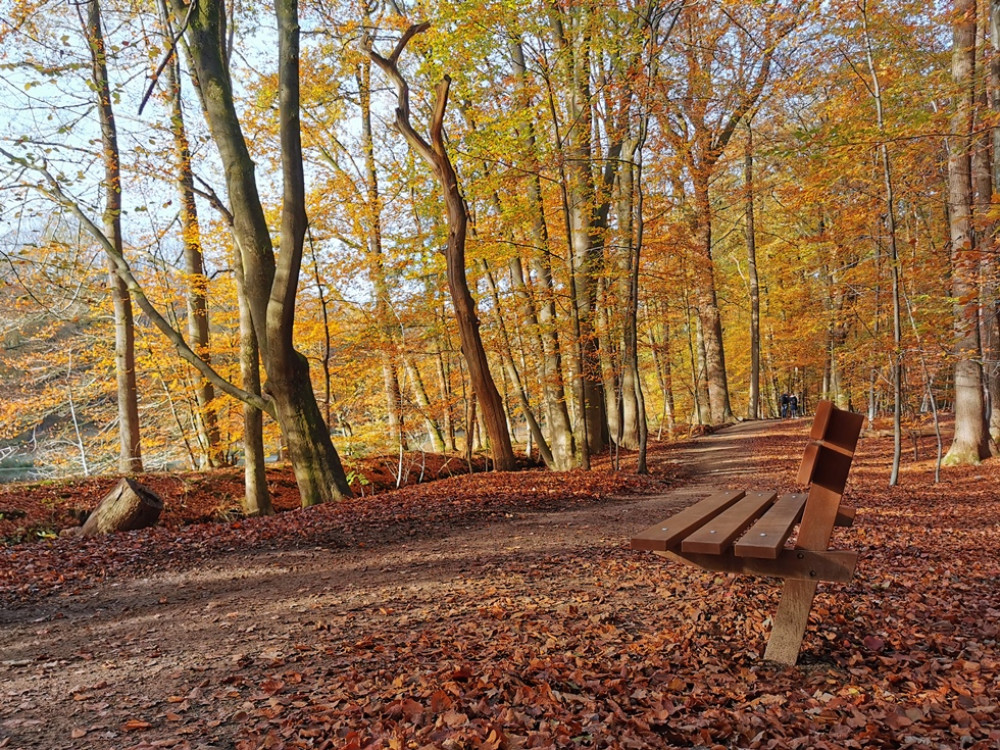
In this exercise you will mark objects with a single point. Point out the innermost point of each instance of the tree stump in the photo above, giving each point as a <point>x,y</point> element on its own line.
<point>127,507</point>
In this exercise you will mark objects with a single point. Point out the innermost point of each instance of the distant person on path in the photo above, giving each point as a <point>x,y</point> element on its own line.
<point>793,403</point>
<point>784,405</point>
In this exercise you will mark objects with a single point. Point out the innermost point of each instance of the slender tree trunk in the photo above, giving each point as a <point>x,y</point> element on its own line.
<point>515,377</point>
<point>894,271</point>
<point>554,387</point>
<point>991,268</point>
<point>424,405</point>
<point>986,231</point>
<point>73,417</point>
<point>256,495</point>
<point>373,226</point>
<point>194,262</point>
<point>632,315</point>
<point>444,384</point>
<point>664,372</point>
<point>324,308</point>
<point>435,154</point>
<point>970,442</point>
<point>629,228</point>
<point>751,237</point>
<point>130,453</point>
<point>608,331</point>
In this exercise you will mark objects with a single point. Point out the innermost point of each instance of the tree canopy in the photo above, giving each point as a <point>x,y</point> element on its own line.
<point>664,215</point>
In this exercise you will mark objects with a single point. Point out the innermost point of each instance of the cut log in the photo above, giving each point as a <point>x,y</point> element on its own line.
<point>127,507</point>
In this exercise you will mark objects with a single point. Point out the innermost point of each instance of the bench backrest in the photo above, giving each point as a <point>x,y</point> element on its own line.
<point>826,463</point>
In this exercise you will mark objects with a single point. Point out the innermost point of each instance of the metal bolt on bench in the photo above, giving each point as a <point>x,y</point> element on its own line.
<point>746,531</point>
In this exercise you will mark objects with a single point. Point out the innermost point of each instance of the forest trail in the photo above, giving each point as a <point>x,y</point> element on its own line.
<point>176,653</point>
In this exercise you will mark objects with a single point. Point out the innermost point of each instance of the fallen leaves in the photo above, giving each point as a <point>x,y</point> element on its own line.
<point>581,642</point>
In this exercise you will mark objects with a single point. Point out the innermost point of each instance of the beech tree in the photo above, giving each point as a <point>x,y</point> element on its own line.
<point>716,91</point>
<point>130,461</point>
<point>971,440</point>
<point>606,246</point>
<point>435,154</point>
<point>270,279</point>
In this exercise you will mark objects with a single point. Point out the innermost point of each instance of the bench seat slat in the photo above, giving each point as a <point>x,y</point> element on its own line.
<point>717,535</point>
<point>767,537</point>
<point>668,533</point>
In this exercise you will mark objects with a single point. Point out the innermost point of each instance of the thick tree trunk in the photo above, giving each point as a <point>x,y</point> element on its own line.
<point>129,506</point>
<point>587,216</point>
<point>130,453</point>
<point>307,437</point>
<point>707,140</point>
<point>970,442</point>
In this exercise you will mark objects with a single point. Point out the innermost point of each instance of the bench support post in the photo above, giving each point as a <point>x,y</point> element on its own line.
<point>790,622</point>
<point>797,596</point>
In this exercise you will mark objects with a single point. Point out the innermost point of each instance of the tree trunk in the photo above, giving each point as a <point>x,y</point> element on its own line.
<point>894,271</point>
<point>515,377</point>
<point>444,384</point>
<point>753,412</point>
<point>256,495</point>
<point>130,453</point>
<point>708,307</point>
<point>436,156</point>
<point>664,374</point>
<point>129,506</point>
<point>554,387</point>
<point>629,432</point>
<point>270,284</point>
<point>632,314</point>
<point>991,270</point>
<point>587,214</point>
<point>373,227</point>
<point>970,442</point>
<point>197,283</point>
<point>434,433</point>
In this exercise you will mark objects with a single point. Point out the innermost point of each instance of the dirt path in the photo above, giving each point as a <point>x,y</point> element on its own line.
<point>157,662</point>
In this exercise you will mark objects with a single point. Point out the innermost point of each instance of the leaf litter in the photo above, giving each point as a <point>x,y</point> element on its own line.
<point>506,611</point>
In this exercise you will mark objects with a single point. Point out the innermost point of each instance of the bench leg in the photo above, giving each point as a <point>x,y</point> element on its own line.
<point>790,622</point>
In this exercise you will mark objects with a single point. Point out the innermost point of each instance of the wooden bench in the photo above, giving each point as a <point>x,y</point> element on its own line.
<point>746,531</point>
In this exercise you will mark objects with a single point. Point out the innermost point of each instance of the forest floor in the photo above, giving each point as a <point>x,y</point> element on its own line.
<point>507,611</point>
